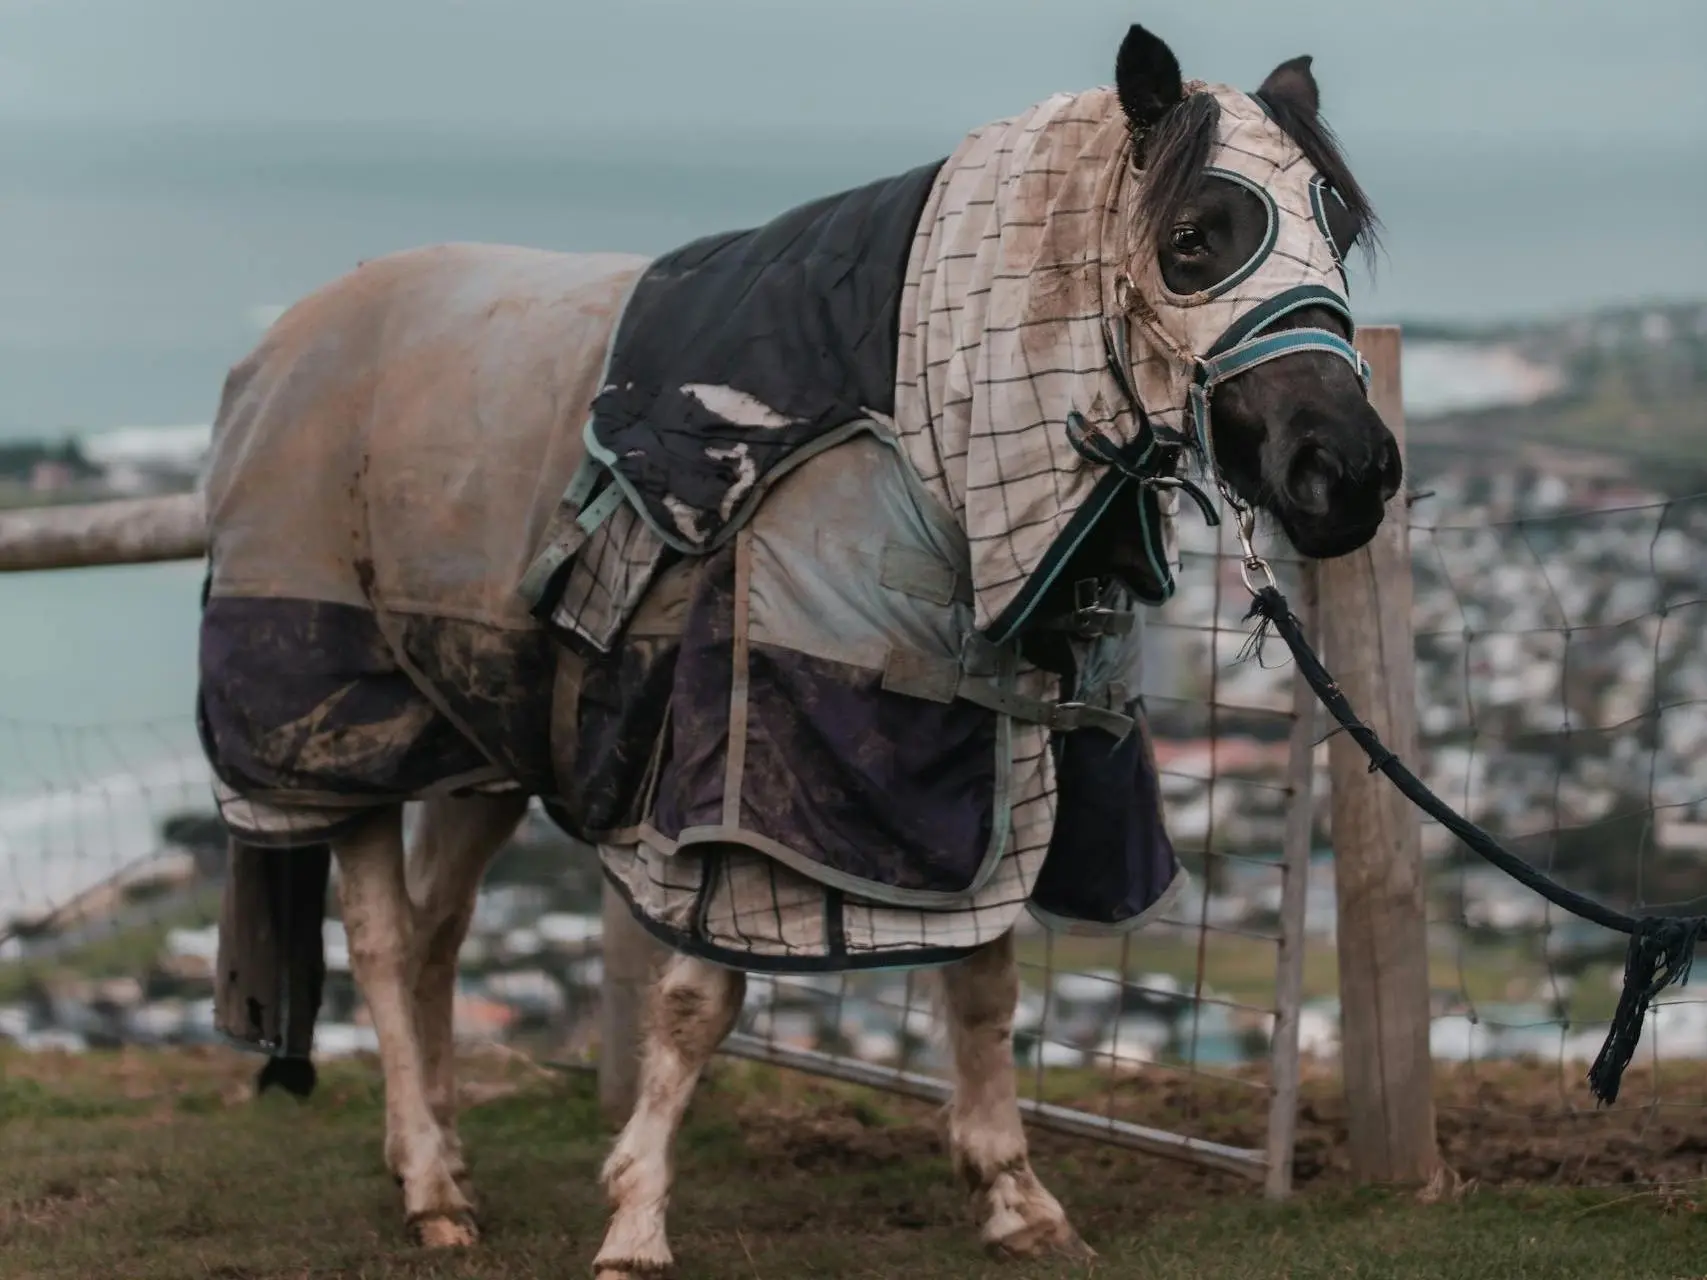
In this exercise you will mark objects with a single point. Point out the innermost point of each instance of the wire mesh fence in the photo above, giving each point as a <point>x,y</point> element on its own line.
<point>112,857</point>
<point>111,863</point>
<point>1562,703</point>
<point>107,846</point>
<point>1127,1037</point>
<point>1562,650</point>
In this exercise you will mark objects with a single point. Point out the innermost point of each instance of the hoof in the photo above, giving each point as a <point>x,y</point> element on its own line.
<point>643,1268</point>
<point>1042,1238</point>
<point>445,1231</point>
<point>296,1076</point>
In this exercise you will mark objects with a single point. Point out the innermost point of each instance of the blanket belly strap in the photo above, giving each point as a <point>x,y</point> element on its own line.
<point>920,675</point>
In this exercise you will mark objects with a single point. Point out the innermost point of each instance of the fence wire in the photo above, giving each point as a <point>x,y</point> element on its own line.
<point>111,860</point>
<point>1562,676</point>
<point>1161,1038</point>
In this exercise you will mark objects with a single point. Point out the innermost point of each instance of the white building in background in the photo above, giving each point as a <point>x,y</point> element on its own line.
<point>146,459</point>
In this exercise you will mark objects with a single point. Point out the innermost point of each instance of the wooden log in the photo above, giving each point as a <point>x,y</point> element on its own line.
<point>124,531</point>
<point>1369,645</point>
<point>630,954</point>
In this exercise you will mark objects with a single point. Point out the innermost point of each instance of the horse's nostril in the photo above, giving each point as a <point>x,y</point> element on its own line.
<point>1311,478</point>
<point>1392,470</point>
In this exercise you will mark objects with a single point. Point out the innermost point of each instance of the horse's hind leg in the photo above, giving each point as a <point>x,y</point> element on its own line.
<point>454,842</point>
<point>380,926</point>
<point>1017,1215</point>
<point>692,1006</point>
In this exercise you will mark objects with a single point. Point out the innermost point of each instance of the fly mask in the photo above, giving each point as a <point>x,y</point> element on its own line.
<point>1221,331</point>
<point>1045,367</point>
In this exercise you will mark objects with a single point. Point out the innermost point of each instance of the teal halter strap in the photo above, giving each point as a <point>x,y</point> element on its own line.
<point>1247,343</point>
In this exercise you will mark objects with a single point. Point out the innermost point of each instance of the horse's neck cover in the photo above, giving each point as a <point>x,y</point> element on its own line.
<point>1006,311</point>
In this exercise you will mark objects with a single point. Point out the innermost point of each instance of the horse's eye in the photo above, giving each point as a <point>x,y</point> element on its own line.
<point>1186,239</point>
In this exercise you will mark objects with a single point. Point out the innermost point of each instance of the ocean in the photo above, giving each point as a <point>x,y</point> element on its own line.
<point>141,260</point>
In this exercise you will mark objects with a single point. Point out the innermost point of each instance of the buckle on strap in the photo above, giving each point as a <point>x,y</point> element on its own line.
<point>920,675</point>
<point>1069,716</point>
<point>1090,618</point>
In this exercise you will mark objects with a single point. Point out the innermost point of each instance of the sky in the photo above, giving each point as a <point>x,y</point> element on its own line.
<point>1471,72</point>
<point>1527,156</point>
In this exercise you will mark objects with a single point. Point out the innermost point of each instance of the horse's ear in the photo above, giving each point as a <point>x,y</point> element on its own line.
<point>1146,73</point>
<point>1294,83</point>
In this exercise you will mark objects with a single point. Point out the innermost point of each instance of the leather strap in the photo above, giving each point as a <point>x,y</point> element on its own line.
<point>920,675</point>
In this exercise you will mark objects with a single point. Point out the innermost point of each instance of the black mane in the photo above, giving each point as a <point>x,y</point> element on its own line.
<point>1173,157</point>
<point>1322,149</point>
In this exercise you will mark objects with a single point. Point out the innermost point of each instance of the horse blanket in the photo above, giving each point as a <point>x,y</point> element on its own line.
<point>364,641</point>
<point>730,555</point>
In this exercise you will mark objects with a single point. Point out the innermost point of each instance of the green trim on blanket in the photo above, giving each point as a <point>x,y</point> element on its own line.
<point>1009,623</point>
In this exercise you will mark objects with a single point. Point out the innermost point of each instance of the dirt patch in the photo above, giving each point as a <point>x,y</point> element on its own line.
<point>1504,1125</point>
<point>843,1134</point>
<point>1532,1126</point>
<point>1507,1125</point>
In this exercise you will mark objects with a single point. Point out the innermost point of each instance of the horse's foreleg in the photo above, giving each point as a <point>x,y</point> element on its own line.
<point>692,1006</point>
<point>454,843</point>
<point>380,926</point>
<point>1017,1215</point>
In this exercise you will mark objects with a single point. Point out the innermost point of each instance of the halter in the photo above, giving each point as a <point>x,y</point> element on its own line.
<point>1249,341</point>
<point>1250,338</point>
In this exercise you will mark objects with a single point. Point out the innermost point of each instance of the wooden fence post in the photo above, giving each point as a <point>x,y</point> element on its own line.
<point>1296,846</point>
<point>1369,645</point>
<point>629,953</point>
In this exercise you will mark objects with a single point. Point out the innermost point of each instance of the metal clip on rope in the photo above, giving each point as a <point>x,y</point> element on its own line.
<point>1252,563</point>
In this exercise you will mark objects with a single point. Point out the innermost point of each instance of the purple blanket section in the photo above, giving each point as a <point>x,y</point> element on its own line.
<point>304,697</point>
<point>1109,858</point>
<point>869,783</point>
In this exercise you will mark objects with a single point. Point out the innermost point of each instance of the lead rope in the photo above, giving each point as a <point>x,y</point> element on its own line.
<point>1662,948</point>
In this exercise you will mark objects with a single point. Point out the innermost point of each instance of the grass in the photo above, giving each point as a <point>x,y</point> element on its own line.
<point>148,1166</point>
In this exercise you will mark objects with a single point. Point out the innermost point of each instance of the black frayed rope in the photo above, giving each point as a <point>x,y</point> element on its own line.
<point>1662,948</point>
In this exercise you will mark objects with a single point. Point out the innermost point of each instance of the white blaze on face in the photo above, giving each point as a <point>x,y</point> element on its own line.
<point>737,407</point>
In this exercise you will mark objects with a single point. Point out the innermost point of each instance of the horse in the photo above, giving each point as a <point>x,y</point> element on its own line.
<point>797,566</point>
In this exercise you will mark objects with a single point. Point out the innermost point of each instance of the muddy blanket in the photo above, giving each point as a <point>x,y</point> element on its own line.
<point>805,759</point>
<point>738,357</point>
<point>383,469</point>
<point>845,775</point>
